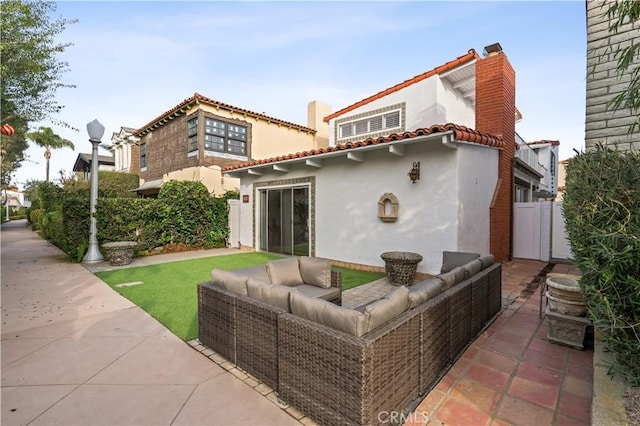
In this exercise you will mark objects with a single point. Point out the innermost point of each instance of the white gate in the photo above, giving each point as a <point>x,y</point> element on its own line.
<point>234,223</point>
<point>539,231</point>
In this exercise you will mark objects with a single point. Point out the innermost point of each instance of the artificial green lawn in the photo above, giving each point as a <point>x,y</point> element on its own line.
<point>169,292</point>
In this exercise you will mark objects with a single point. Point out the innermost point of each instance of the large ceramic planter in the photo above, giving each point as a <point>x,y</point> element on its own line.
<point>565,296</point>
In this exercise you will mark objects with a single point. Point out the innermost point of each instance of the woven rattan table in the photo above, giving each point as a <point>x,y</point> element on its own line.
<point>401,267</point>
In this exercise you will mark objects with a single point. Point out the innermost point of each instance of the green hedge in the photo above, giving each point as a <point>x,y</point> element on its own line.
<point>602,212</point>
<point>184,214</point>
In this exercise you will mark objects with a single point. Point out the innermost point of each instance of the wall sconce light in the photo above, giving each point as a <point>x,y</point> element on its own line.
<point>414,174</point>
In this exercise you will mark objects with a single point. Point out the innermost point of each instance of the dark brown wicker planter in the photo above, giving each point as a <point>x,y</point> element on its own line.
<point>401,267</point>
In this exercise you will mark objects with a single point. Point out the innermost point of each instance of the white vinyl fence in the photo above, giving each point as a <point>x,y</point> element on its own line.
<point>539,231</point>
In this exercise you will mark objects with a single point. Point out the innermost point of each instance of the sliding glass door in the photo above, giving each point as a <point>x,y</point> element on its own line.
<point>284,220</point>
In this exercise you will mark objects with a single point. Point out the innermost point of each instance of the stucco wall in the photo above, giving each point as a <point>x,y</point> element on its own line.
<point>430,217</point>
<point>210,176</point>
<point>477,179</point>
<point>269,139</point>
<point>604,125</point>
<point>428,102</point>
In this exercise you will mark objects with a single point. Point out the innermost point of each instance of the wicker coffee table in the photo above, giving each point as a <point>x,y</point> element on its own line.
<point>401,267</point>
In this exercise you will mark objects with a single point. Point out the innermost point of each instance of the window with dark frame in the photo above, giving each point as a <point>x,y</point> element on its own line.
<point>143,155</point>
<point>192,135</point>
<point>221,136</point>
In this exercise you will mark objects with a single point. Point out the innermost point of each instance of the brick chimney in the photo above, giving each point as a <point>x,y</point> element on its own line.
<point>495,113</point>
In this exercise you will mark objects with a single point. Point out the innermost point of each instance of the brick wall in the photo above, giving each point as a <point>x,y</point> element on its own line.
<point>495,113</point>
<point>167,147</point>
<point>604,125</point>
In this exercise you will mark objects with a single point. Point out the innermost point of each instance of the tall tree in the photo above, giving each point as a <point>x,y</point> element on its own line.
<point>31,72</point>
<point>621,14</point>
<point>45,138</point>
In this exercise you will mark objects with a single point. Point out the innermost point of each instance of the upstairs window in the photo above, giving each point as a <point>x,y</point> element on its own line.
<point>385,123</point>
<point>143,156</point>
<point>192,135</point>
<point>225,137</point>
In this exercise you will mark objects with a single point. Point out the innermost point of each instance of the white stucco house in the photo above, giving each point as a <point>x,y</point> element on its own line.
<point>355,199</point>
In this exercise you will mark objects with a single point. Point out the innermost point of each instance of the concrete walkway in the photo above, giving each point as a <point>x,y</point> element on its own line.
<point>74,352</point>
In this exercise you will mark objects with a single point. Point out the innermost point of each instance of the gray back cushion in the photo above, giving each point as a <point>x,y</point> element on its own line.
<point>487,260</point>
<point>425,290</point>
<point>326,313</point>
<point>472,268</point>
<point>452,277</point>
<point>255,288</point>
<point>387,308</point>
<point>273,294</point>
<point>315,271</point>
<point>230,281</point>
<point>284,272</point>
<point>453,259</point>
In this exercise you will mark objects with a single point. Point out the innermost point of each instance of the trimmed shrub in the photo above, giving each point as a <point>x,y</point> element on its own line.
<point>110,184</point>
<point>34,218</point>
<point>602,213</point>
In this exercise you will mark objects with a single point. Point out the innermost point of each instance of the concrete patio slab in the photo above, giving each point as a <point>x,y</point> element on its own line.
<point>66,361</point>
<point>227,400</point>
<point>118,405</point>
<point>165,351</point>
<point>21,405</point>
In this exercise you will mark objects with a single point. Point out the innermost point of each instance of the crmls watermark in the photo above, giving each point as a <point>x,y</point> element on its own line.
<point>398,418</point>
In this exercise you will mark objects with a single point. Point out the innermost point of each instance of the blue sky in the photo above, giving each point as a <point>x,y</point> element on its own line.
<point>131,61</point>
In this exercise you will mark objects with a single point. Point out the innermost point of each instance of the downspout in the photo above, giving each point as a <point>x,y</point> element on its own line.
<point>513,186</point>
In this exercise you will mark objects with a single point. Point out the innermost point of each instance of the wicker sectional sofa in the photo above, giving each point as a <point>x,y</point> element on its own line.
<point>339,368</point>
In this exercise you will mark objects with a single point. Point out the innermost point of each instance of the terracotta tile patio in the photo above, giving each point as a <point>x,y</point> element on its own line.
<point>511,374</point>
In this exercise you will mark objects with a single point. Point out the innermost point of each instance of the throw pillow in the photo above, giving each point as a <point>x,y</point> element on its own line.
<point>315,271</point>
<point>230,281</point>
<point>453,259</point>
<point>284,272</point>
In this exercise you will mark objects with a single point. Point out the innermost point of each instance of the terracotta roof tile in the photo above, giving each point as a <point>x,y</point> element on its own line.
<point>461,133</point>
<point>471,55</point>
<point>198,98</point>
<point>544,141</point>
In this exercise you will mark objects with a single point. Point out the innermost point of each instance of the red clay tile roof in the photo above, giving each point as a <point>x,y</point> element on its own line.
<point>461,133</point>
<point>544,141</point>
<point>182,107</point>
<point>470,56</point>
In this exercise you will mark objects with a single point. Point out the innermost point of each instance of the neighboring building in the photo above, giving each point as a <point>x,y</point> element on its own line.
<point>354,200</point>
<point>82,166</point>
<point>536,170</point>
<point>604,125</point>
<point>198,137</point>
<point>562,179</point>
<point>122,144</point>
<point>14,199</point>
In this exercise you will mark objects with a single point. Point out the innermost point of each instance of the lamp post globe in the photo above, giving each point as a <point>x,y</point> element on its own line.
<point>95,130</point>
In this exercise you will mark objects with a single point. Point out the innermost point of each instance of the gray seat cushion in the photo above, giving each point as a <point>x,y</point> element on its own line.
<point>318,292</point>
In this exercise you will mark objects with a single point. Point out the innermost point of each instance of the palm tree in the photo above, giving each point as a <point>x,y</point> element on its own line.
<point>45,138</point>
